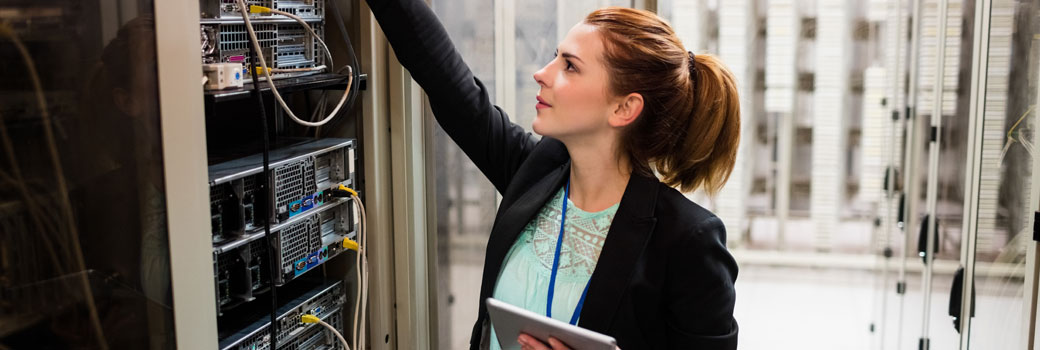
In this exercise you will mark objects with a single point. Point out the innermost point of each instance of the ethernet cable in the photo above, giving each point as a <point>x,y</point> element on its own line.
<point>245,10</point>
<point>1011,139</point>
<point>363,274</point>
<point>308,318</point>
<point>361,265</point>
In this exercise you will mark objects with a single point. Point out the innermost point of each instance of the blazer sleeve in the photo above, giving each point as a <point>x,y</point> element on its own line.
<point>700,291</point>
<point>459,101</point>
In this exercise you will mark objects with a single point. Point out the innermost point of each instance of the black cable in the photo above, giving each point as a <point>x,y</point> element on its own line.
<point>272,265</point>
<point>350,48</point>
<point>353,57</point>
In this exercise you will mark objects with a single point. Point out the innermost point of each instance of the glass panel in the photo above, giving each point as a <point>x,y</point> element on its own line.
<point>84,257</point>
<point>949,195</point>
<point>465,200</point>
<point>812,80</point>
<point>815,202</point>
<point>1007,193</point>
<point>540,25</point>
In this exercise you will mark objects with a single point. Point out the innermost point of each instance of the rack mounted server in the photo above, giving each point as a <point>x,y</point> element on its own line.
<point>325,301</point>
<point>228,9</point>
<point>239,269</point>
<point>308,223</point>
<point>285,43</point>
<point>300,177</point>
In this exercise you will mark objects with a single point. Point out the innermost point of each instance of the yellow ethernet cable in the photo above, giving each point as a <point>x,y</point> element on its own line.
<point>308,318</point>
<point>348,189</point>
<point>259,9</point>
<point>350,244</point>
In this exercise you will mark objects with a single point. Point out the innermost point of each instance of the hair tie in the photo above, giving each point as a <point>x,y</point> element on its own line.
<point>693,65</point>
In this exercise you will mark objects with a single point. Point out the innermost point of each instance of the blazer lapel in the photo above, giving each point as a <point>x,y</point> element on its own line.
<point>511,220</point>
<point>626,240</point>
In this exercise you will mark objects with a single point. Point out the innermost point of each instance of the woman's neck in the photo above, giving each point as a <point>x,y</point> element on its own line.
<point>598,176</point>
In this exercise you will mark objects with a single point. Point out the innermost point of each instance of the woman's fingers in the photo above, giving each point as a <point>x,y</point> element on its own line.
<point>557,344</point>
<point>530,343</point>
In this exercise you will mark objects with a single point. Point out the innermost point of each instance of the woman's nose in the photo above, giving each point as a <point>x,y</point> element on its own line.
<point>541,75</point>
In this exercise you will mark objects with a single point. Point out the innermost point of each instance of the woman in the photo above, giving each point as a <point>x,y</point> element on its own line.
<point>621,101</point>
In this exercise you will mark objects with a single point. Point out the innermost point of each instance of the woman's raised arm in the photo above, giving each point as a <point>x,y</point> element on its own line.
<point>459,100</point>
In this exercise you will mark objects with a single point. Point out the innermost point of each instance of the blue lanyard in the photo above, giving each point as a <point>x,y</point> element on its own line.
<point>556,265</point>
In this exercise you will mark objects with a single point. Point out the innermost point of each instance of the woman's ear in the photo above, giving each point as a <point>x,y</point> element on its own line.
<point>628,108</point>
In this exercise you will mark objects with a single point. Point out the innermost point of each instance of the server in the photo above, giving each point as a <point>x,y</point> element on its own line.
<point>283,198</point>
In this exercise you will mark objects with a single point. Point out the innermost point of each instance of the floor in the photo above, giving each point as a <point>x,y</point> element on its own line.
<point>804,308</point>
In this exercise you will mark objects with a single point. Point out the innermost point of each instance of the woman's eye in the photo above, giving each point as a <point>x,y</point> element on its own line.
<point>569,66</point>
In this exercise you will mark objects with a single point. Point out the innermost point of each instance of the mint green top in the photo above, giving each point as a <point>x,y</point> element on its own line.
<point>524,280</point>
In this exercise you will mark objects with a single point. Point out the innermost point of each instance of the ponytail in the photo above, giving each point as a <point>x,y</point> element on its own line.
<point>689,129</point>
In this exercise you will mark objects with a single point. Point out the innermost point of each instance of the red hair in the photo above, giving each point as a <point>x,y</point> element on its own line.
<point>689,129</point>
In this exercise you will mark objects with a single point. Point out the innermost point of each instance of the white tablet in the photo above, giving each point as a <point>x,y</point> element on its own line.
<point>510,321</point>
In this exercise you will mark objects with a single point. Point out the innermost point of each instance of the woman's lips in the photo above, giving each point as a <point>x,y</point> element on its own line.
<point>541,103</point>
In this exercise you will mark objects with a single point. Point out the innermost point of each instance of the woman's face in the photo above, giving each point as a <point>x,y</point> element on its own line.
<point>574,98</point>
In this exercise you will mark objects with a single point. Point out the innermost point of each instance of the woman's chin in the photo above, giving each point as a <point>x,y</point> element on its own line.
<point>537,127</point>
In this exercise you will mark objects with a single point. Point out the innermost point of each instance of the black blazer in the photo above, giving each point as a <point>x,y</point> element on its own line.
<point>664,278</point>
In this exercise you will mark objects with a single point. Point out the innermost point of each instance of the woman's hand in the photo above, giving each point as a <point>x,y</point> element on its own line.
<point>530,343</point>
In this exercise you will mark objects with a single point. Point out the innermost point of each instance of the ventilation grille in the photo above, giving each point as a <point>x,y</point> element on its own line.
<point>235,37</point>
<point>298,240</point>
<point>250,184</point>
<point>293,182</point>
<point>224,263</point>
<point>217,194</point>
<point>258,254</point>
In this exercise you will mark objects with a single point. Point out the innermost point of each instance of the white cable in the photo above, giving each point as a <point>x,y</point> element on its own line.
<point>267,73</point>
<point>364,275</point>
<point>354,327</point>
<point>1029,148</point>
<point>361,304</point>
<point>334,331</point>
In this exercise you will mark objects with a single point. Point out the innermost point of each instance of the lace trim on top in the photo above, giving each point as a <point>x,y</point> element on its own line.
<point>583,240</point>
